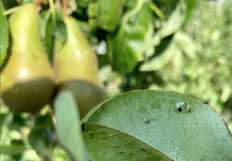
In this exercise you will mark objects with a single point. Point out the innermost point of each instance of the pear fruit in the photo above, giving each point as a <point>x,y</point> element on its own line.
<point>27,80</point>
<point>76,69</point>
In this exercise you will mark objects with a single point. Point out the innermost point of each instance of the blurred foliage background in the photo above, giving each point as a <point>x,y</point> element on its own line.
<point>178,45</point>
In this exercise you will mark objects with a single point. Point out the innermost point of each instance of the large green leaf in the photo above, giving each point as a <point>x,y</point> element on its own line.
<point>68,126</point>
<point>133,125</point>
<point>4,35</point>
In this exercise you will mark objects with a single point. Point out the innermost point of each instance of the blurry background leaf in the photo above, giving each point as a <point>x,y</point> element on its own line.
<point>13,149</point>
<point>37,141</point>
<point>106,14</point>
<point>68,126</point>
<point>161,60</point>
<point>40,137</point>
<point>124,57</point>
<point>4,34</point>
<point>126,43</point>
<point>173,23</point>
<point>190,7</point>
<point>162,55</point>
<point>28,1</point>
<point>10,3</point>
<point>81,10</point>
<point>186,44</point>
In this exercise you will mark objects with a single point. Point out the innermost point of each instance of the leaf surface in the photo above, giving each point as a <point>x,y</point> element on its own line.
<point>68,126</point>
<point>106,14</point>
<point>178,126</point>
<point>4,34</point>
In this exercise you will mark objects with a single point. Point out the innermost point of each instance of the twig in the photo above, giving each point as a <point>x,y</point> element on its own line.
<point>65,8</point>
<point>9,11</point>
<point>38,2</point>
<point>133,11</point>
<point>157,11</point>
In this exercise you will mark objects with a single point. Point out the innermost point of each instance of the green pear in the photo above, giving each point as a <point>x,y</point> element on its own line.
<point>76,69</point>
<point>27,80</point>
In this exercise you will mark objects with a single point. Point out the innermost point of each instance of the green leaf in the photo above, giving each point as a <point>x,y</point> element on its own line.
<point>37,141</point>
<point>28,1</point>
<point>190,7</point>
<point>49,38</point>
<point>126,44</point>
<point>161,60</point>
<point>139,30</point>
<point>164,52</point>
<point>38,138</point>
<point>68,126</point>
<point>60,31</point>
<point>10,3</point>
<point>4,35</point>
<point>175,21</point>
<point>179,126</point>
<point>124,55</point>
<point>44,16</point>
<point>49,32</point>
<point>43,122</point>
<point>13,149</point>
<point>106,13</point>
<point>186,44</point>
<point>172,25</point>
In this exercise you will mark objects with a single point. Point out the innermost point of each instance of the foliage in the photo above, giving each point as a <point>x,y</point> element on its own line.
<point>148,124</point>
<point>4,35</point>
<point>68,121</point>
<point>141,44</point>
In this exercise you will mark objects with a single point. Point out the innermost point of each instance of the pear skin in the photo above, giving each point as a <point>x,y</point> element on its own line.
<point>76,69</point>
<point>27,80</point>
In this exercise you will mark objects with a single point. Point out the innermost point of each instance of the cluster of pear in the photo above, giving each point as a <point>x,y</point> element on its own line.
<point>28,81</point>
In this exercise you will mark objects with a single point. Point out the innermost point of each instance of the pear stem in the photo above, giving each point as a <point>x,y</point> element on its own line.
<point>9,11</point>
<point>157,11</point>
<point>38,2</point>
<point>65,8</point>
<point>133,11</point>
<point>52,9</point>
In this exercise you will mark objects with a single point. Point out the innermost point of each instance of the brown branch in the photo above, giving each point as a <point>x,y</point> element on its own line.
<point>65,8</point>
<point>38,2</point>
